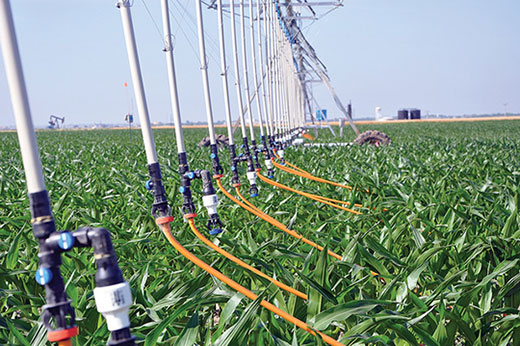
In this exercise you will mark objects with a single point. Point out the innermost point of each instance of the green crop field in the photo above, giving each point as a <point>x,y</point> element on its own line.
<point>446,249</point>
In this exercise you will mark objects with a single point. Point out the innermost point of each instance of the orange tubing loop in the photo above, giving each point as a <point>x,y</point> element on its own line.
<point>305,194</point>
<point>275,223</point>
<point>307,175</point>
<point>242,263</point>
<point>165,228</point>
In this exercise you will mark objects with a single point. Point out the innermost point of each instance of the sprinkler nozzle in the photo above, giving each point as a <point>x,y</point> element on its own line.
<point>214,225</point>
<point>253,191</point>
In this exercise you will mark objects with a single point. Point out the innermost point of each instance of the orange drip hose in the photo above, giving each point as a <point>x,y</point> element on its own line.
<point>165,228</point>
<point>309,176</point>
<point>305,194</point>
<point>275,223</point>
<point>242,263</point>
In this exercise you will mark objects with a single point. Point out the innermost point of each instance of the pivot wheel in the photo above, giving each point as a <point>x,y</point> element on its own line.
<point>373,137</point>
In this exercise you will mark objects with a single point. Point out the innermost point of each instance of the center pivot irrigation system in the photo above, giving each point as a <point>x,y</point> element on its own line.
<point>282,61</point>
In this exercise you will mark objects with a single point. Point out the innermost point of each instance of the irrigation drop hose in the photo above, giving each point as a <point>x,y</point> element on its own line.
<point>275,223</point>
<point>308,195</point>
<point>242,263</point>
<point>302,173</point>
<point>165,228</point>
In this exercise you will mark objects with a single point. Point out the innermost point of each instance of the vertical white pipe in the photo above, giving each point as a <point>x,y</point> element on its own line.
<point>253,59</point>
<point>261,63</point>
<point>224,69</point>
<point>204,70</point>
<point>172,80</point>
<point>20,101</point>
<point>237,70</point>
<point>269,65</point>
<point>246,75</point>
<point>137,81</point>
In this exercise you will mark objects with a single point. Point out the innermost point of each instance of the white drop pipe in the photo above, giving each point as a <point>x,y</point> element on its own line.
<point>249,112</point>
<point>263,77</point>
<point>137,80</point>
<point>224,69</point>
<point>172,80</point>
<point>237,70</point>
<point>268,62</point>
<point>204,70</point>
<point>20,101</point>
<point>253,60</point>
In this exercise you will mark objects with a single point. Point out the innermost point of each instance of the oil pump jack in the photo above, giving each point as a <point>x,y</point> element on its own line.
<point>54,122</point>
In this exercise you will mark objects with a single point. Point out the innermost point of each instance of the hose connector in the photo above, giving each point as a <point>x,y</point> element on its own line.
<point>253,190</point>
<point>210,202</point>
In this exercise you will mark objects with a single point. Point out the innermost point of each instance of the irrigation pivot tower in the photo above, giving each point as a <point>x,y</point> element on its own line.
<point>290,15</point>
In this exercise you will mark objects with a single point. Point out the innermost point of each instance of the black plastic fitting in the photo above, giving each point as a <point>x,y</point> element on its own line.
<point>188,207</point>
<point>121,337</point>
<point>217,168</point>
<point>108,271</point>
<point>255,155</point>
<point>207,185</point>
<point>235,179</point>
<point>58,313</point>
<point>160,205</point>
<point>247,154</point>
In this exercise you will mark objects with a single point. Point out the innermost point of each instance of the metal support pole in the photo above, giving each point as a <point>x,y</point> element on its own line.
<point>28,145</point>
<point>137,80</point>
<point>172,80</point>
<point>160,207</point>
<point>204,71</point>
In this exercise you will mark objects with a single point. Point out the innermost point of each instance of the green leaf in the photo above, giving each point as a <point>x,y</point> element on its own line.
<point>189,333</point>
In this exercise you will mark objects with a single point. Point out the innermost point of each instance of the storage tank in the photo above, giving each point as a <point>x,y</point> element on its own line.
<point>415,114</point>
<point>402,114</point>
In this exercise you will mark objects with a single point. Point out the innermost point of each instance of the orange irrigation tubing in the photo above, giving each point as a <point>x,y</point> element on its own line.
<point>305,194</point>
<point>309,176</point>
<point>237,189</point>
<point>275,223</point>
<point>306,174</point>
<point>242,263</point>
<point>165,228</point>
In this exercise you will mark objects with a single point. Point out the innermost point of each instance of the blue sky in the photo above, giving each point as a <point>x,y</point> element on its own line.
<point>443,56</point>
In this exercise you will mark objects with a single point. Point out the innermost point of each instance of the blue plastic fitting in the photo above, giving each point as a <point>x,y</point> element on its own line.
<point>253,195</point>
<point>43,276</point>
<point>233,168</point>
<point>148,184</point>
<point>66,241</point>
<point>182,189</point>
<point>191,175</point>
<point>213,155</point>
<point>215,231</point>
